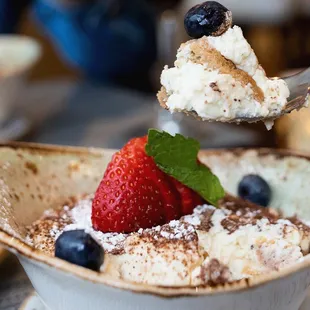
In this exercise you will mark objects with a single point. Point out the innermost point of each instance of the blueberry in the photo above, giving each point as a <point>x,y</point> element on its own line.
<point>79,248</point>
<point>207,19</point>
<point>255,189</point>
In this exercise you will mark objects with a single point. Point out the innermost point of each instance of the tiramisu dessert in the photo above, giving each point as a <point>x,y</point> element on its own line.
<point>217,76</point>
<point>160,217</point>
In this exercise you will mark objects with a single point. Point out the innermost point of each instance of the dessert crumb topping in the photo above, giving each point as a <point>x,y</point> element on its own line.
<point>237,240</point>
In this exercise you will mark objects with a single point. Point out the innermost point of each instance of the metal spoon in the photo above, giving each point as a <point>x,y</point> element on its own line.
<point>299,86</point>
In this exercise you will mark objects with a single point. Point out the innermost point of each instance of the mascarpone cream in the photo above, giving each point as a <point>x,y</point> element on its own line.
<point>219,78</point>
<point>211,246</point>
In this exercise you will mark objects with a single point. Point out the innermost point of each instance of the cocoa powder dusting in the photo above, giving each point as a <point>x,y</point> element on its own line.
<point>215,273</point>
<point>206,223</point>
<point>244,212</point>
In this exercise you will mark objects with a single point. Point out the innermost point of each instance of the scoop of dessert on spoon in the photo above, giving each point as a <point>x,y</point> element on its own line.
<point>299,87</point>
<point>217,76</point>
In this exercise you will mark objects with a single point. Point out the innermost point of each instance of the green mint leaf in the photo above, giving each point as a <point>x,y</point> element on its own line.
<point>177,156</point>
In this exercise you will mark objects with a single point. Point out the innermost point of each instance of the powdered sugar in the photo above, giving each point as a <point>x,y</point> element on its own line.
<point>195,218</point>
<point>80,216</point>
<point>178,230</point>
<point>285,222</point>
<point>174,230</point>
<point>245,240</point>
<point>55,231</point>
<point>183,229</point>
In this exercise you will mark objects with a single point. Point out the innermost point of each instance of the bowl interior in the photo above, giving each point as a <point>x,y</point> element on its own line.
<point>286,173</point>
<point>34,179</point>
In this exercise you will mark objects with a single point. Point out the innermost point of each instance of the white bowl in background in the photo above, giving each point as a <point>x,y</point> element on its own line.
<point>18,54</point>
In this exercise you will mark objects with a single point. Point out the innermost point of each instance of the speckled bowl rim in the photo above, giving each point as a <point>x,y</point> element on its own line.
<point>18,247</point>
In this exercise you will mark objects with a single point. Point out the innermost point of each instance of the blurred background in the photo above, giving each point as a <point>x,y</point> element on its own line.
<point>86,72</point>
<point>91,70</point>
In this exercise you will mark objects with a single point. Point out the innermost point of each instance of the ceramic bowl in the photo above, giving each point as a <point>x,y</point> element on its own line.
<point>34,178</point>
<point>18,54</point>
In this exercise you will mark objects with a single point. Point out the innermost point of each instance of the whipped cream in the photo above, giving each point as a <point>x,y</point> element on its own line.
<point>252,249</point>
<point>210,246</point>
<point>194,86</point>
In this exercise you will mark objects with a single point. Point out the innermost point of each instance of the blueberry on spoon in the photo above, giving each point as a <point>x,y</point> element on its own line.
<point>207,19</point>
<point>79,248</point>
<point>255,189</point>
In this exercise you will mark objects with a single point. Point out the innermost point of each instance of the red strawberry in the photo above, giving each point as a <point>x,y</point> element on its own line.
<point>134,193</point>
<point>189,198</point>
<point>171,199</point>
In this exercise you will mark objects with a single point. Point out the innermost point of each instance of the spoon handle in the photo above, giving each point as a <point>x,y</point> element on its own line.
<point>298,85</point>
<point>300,78</point>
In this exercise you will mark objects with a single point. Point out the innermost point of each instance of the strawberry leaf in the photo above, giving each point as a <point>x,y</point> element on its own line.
<point>177,156</point>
